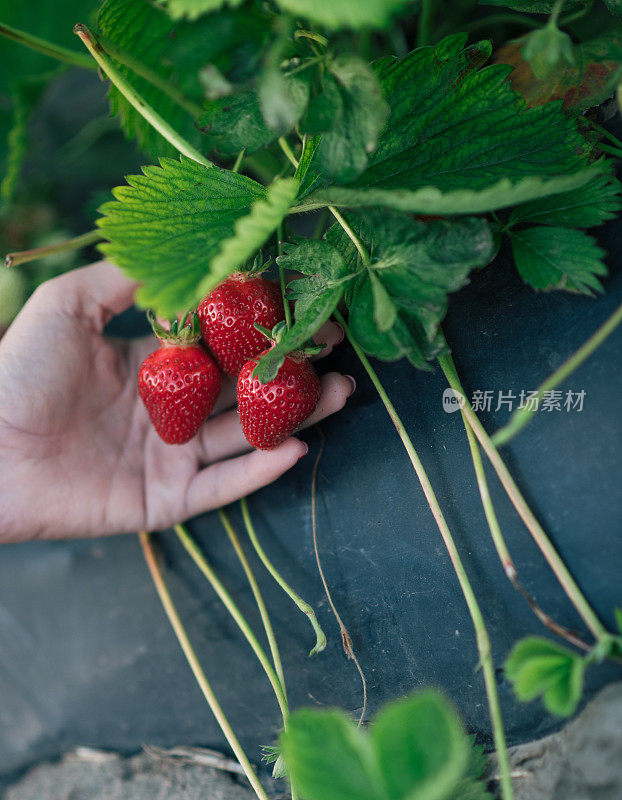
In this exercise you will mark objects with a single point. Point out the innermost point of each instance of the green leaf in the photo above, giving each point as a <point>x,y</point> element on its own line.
<point>526,6</point>
<point>471,786</point>
<point>319,304</point>
<point>421,747</point>
<point>591,204</point>
<point>345,13</point>
<point>431,200</point>
<point>538,667</point>
<point>312,257</point>
<point>558,258</point>
<point>235,122</point>
<point>385,310</point>
<point>418,264</point>
<point>192,9</point>
<point>530,6</point>
<point>282,99</point>
<point>316,297</point>
<point>176,53</point>
<point>455,126</point>
<point>618,617</point>
<point>352,112</point>
<point>615,7</point>
<point>329,758</point>
<point>251,231</point>
<point>167,227</point>
<point>145,31</point>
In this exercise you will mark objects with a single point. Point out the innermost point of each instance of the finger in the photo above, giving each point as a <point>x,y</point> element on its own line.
<point>226,481</point>
<point>336,389</point>
<point>98,292</point>
<point>330,335</point>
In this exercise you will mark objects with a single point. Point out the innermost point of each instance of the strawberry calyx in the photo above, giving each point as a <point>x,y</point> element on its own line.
<point>182,333</point>
<point>278,333</point>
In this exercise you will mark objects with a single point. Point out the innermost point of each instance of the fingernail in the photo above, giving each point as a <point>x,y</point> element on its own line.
<point>306,447</point>
<point>342,333</point>
<point>352,384</point>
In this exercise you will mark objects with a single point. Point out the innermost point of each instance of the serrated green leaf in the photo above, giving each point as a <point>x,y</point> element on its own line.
<point>282,99</point>
<point>193,9</point>
<point>529,6</point>
<point>354,14</point>
<point>352,112</point>
<point>421,747</point>
<point>418,265</point>
<point>538,667</point>
<point>558,258</point>
<point>591,204</point>
<point>140,28</point>
<point>329,758</point>
<point>312,257</point>
<point>235,122</point>
<point>251,231</point>
<point>471,786</point>
<point>455,126</point>
<point>176,52</point>
<point>166,228</point>
<point>431,200</point>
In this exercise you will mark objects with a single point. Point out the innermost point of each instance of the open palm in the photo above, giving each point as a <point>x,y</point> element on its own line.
<point>78,455</point>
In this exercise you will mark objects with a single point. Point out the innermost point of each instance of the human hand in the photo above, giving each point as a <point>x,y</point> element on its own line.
<point>78,455</point>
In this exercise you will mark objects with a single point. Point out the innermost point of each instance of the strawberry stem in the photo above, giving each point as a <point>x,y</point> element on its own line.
<point>522,416</point>
<point>199,559</point>
<point>261,605</point>
<point>320,637</point>
<point>447,365</point>
<point>195,665</point>
<point>481,633</point>
<point>286,308</point>
<point>64,54</point>
<point>77,243</point>
<point>568,583</point>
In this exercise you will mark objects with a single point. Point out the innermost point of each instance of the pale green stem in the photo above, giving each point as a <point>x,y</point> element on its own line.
<point>320,637</point>
<point>555,12</point>
<point>481,633</point>
<point>63,54</point>
<point>203,565</point>
<point>77,243</point>
<point>284,145</point>
<point>575,595</point>
<point>152,77</point>
<point>336,214</point>
<point>195,666</point>
<point>522,416</point>
<point>263,611</point>
<point>238,161</point>
<point>261,605</point>
<point>446,363</point>
<point>130,94</point>
<point>286,307</point>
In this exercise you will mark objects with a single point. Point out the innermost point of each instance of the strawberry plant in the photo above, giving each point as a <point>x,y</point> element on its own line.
<point>416,150</point>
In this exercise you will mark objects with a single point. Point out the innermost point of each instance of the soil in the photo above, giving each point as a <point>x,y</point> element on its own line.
<point>581,762</point>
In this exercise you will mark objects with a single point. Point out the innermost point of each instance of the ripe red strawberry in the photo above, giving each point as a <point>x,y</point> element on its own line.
<point>178,383</point>
<point>269,412</point>
<point>228,315</point>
